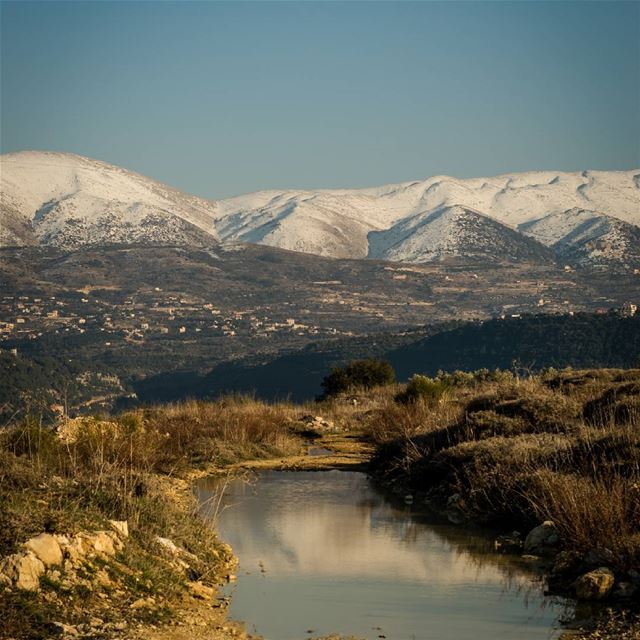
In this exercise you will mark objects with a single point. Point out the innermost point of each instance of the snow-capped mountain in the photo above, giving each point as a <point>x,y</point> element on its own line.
<point>584,218</point>
<point>583,237</point>
<point>378,222</point>
<point>454,231</point>
<point>69,201</point>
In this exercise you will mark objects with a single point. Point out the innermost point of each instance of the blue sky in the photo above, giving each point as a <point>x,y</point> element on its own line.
<point>219,98</point>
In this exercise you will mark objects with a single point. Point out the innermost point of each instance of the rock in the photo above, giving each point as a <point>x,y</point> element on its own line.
<point>453,500</point>
<point>75,549</point>
<point>566,563</point>
<point>455,509</point>
<point>542,540</point>
<point>175,550</point>
<point>317,423</point>
<point>509,543</point>
<point>595,585</point>
<point>121,527</point>
<point>201,591</point>
<point>530,558</point>
<point>102,542</point>
<point>625,590</point>
<point>599,558</point>
<point>23,570</point>
<point>46,548</point>
<point>168,545</point>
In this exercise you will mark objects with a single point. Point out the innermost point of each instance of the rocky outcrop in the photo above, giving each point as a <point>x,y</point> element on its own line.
<point>121,527</point>
<point>46,551</point>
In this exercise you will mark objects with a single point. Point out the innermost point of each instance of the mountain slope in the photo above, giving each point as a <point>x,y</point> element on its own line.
<point>69,201</point>
<point>291,219</point>
<point>454,231</point>
<point>583,237</point>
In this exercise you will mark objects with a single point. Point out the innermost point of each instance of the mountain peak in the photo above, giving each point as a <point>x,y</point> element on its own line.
<point>69,200</point>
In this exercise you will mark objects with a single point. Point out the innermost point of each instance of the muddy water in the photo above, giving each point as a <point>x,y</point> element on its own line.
<point>323,552</point>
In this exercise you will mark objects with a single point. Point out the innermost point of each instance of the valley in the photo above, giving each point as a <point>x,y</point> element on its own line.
<point>118,315</point>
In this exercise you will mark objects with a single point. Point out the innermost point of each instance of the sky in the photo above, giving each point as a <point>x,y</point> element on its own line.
<point>222,98</point>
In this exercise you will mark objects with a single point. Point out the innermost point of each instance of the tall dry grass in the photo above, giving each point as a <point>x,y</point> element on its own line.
<point>231,428</point>
<point>563,446</point>
<point>96,469</point>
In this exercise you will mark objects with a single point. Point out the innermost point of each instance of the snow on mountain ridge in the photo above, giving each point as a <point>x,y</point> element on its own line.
<point>586,237</point>
<point>454,231</point>
<point>69,200</point>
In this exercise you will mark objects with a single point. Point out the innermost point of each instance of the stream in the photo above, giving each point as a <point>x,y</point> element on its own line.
<point>324,552</point>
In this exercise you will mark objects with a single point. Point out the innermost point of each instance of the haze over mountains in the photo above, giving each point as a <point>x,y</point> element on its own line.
<point>590,218</point>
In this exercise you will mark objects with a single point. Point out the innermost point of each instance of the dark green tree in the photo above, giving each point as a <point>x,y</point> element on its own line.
<point>359,374</point>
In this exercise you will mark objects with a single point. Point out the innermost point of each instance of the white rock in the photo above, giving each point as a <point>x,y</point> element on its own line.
<point>23,569</point>
<point>46,548</point>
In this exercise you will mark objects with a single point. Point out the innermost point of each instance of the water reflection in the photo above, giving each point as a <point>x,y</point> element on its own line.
<point>325,551</point>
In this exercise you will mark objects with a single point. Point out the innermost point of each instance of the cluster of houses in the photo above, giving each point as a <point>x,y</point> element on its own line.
<point>135,319</point>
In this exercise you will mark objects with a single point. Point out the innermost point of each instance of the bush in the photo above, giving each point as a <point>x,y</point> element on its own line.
<point>421,388</point>
<point>363,374</point>
<point>474,378</point>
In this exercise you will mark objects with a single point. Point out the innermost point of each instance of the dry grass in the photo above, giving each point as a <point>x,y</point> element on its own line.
<point>225,431</point>
<point>94,470</point>
<point>97,469</point>
<point>563,446</point>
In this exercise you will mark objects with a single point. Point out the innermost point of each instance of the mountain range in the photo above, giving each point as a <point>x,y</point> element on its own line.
<point>582,219</point>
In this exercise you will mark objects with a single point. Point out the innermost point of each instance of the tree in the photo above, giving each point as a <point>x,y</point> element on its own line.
<point>358,374</point>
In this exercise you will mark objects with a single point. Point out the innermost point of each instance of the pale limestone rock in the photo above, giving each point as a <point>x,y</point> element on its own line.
<point>24,570</point>
<point>174,549</point>
<point>76,548</point>
<point>168,545</point>
<point>103,543</point>
<point>46,548</point>
<point>201,591</point>
<point>595,585</point>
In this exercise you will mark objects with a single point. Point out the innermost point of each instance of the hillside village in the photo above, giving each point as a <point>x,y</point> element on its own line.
<point>139,318</point>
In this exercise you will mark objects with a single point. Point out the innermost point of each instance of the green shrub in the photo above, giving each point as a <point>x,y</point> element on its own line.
<point>421,388</point>
<point>474,378</point>
<point>362,374</point>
